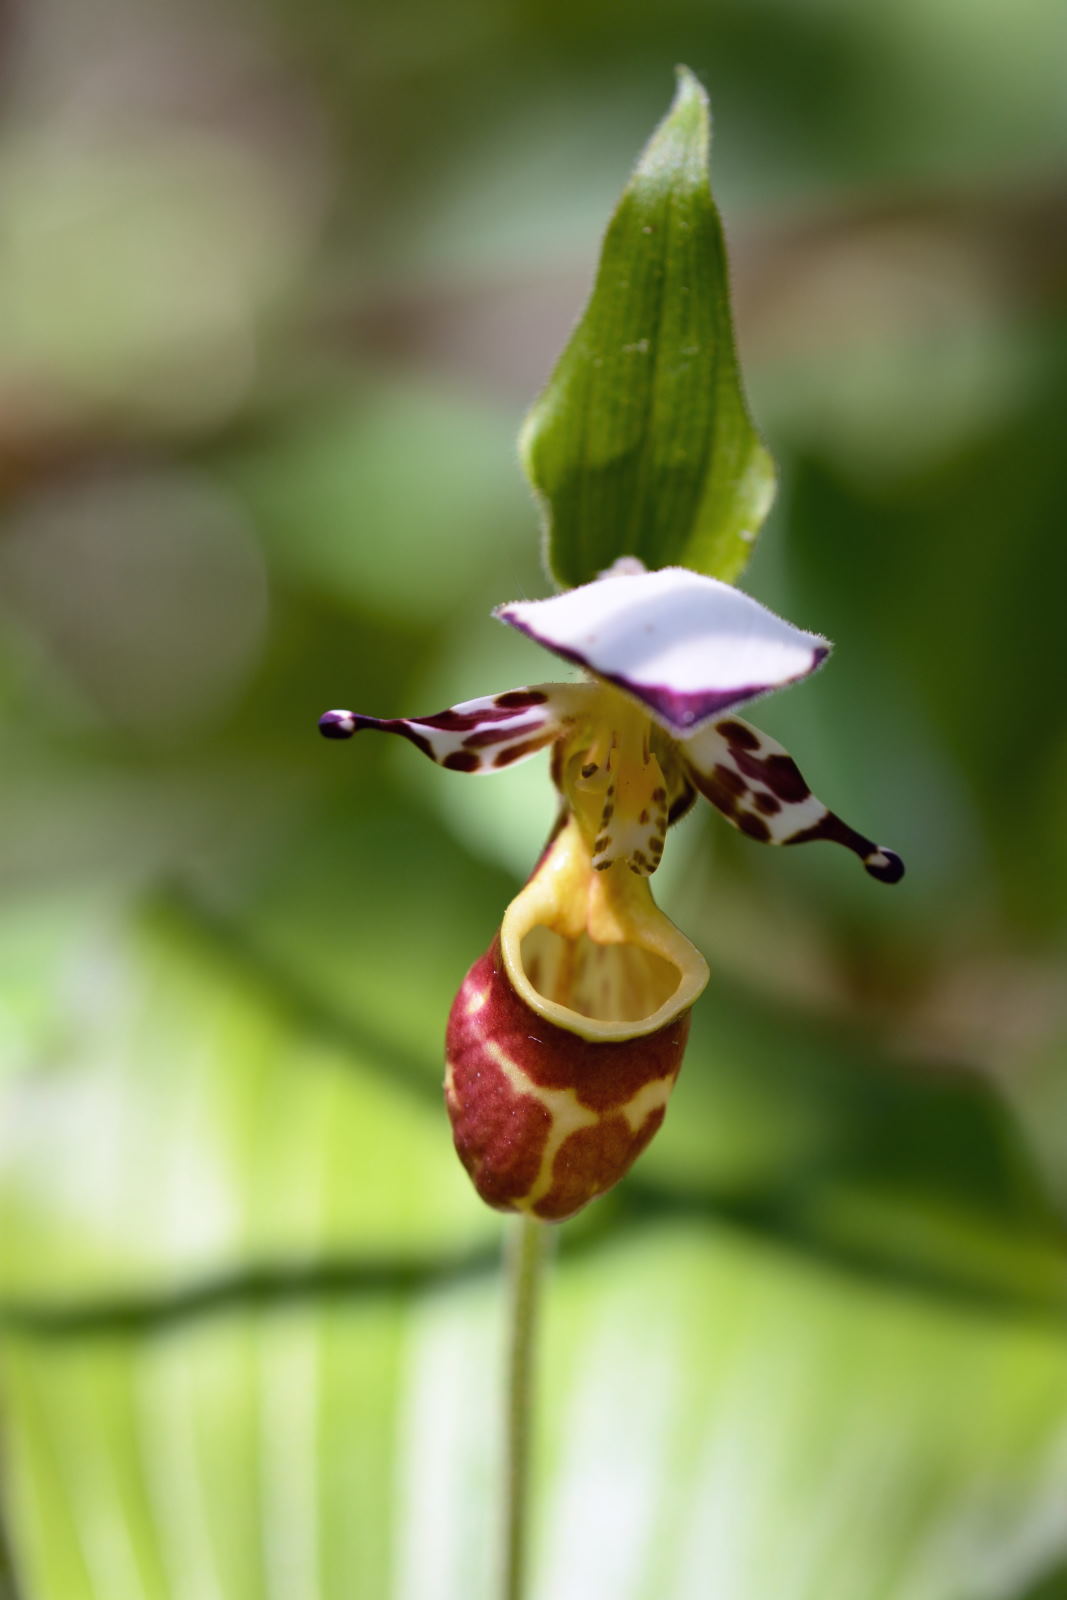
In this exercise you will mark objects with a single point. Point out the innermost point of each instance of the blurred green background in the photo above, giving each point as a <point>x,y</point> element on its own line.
<point>277,282</point>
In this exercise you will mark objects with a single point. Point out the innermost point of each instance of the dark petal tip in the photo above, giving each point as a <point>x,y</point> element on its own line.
<point>885,865</point>
<point>337,724</point>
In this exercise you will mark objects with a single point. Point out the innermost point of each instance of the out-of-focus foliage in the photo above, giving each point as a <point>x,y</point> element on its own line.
<point>278,283</point>
<point>641,445</point>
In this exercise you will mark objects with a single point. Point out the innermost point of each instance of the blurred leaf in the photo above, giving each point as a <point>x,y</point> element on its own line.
<point>191,1123</point>
<point>344,510</point>
<point>641,444</point>
<point>136,272</point>
<point>786,1431</point>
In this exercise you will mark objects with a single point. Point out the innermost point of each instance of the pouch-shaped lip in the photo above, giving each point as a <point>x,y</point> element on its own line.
<point>687,647</point>
<point>619,940</point>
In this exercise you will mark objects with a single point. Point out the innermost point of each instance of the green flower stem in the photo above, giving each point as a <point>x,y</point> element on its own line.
<point>525,1252</point>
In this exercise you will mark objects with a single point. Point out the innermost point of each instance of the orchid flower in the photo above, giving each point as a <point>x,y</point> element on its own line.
<point>567,1036</point>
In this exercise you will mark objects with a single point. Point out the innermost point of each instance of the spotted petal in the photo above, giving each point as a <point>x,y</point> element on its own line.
<point>479,735</point>
<point>759,788</point>
<point>687,647</point>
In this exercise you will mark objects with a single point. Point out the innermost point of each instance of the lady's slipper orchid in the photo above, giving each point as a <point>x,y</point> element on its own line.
<point>566,1038</point>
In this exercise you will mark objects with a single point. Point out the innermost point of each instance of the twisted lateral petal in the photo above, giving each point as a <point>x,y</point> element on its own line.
<point>687,647</point>
<point>480,735</point>
<point>759,788</point>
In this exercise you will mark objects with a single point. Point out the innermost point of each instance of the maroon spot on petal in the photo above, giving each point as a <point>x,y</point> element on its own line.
<point>780,773</point>
<point>461,761</point>
<point>488,736</point>
<point>452,721</point>
<point>724,799</point>
<point>766,803</point>
<point>731,780</point>
<point>659,796</point>
<point>737,734</point>
<point>460,721</point>
<point>521,697</point>
<point>504,758</point>
<point>682,803</point>
<point>403,727</point>
<point>755,827</point>
<point>785,779</point>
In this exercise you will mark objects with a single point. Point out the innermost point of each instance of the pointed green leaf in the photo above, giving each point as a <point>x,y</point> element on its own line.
<point>641,444</point>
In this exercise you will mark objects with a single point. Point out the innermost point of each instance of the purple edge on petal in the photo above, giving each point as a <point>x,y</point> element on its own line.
<point>685,711</point>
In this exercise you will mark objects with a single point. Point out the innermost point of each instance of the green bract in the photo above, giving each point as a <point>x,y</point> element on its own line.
<point>641,444</point>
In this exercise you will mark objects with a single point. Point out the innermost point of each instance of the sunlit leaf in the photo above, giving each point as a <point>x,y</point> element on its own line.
<point>718,1418</point>
<point>641,444</point>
